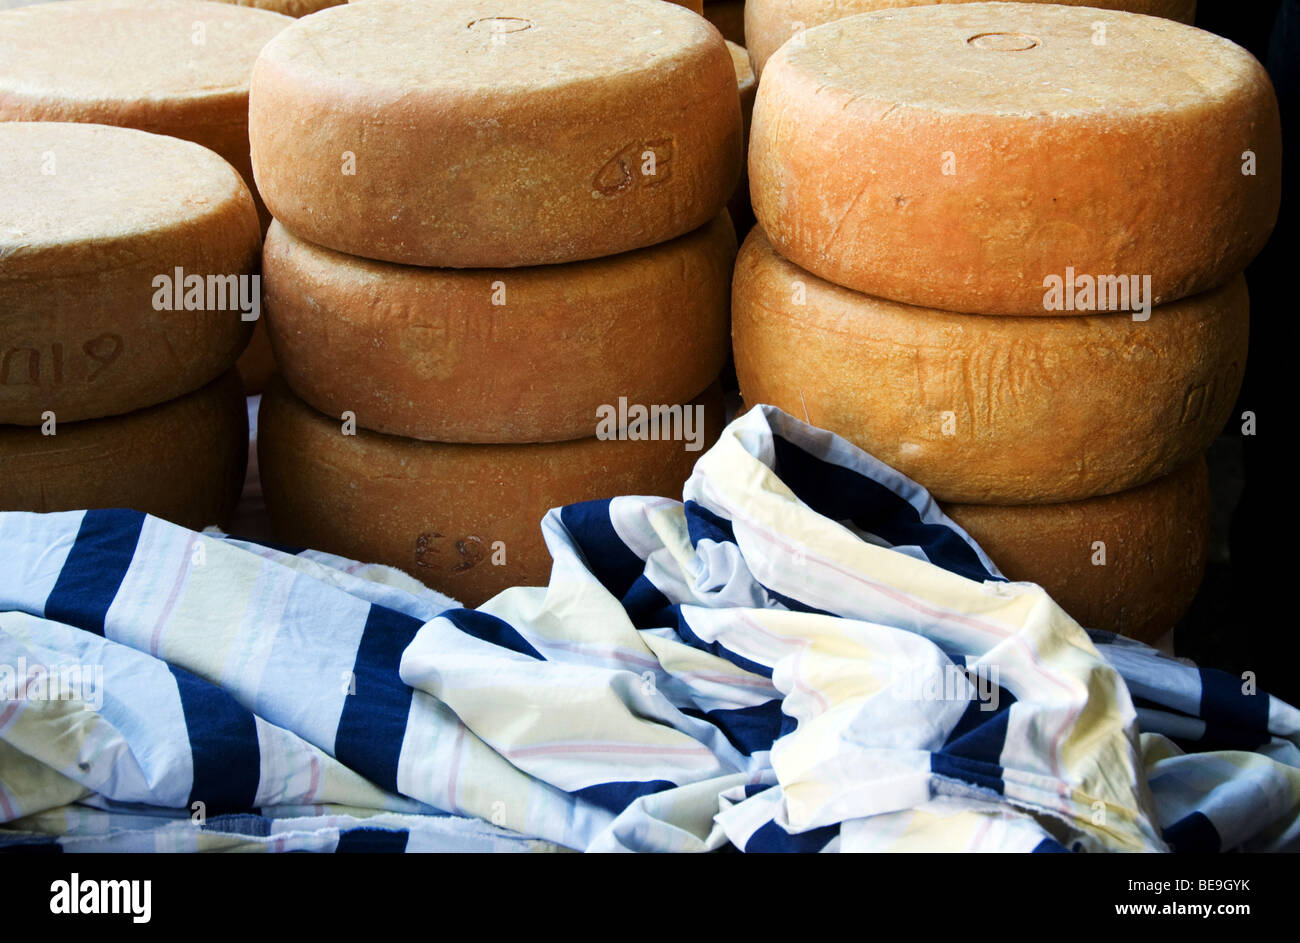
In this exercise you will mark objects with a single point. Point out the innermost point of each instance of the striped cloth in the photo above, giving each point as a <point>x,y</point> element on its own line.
<point>803,655</point>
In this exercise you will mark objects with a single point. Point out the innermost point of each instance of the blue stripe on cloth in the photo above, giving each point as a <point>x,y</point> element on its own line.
<point>223,743</point>
<point>974,772</point>
<point>793,605</point>
<point>748,729</point>
<point>604,552</point>
<point>1234,720</point>
<point>846,495</point>
<point>973,751</point>
<point>489,628</point>
<point>372,841</point>
<point>1050,846</point>
<point>647,606</point>
<point>373,722</point>
<point>980,734</point>
<point>687,635</point>
<point>615,797</point>
<point>703,524</point>
<point>773,839</point>
<point>94,568</point>
<point>1193,834</point>
<point>258,826</point>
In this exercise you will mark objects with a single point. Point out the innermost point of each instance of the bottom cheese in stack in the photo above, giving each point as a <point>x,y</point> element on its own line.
<point>1129,563</point>
<point>462,518</point>
<point>183,460</point>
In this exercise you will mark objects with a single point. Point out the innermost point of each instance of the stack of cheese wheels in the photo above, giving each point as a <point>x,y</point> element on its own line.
<point>127,266</point>
<point>500,234</point>
<point>175,67</point>
<point>770,23</point>
<point>966,214</point>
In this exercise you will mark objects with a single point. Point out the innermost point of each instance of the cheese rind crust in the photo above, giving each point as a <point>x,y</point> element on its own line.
<point>473,134</point>
<point>1129,563</point>
<point>991,410</point>
<point>90,216</point>
<point>958,156</point>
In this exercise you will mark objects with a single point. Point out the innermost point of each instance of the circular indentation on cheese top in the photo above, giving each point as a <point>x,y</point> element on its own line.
<point>501,24</point>
<point>1003,42</point>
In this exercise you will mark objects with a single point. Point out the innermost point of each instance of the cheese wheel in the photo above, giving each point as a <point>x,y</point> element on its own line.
<point>91,218</point>
<point>1129,563</point>
<point>503,355</point>
<point>963,156</point>
<point>770,23</point>
<point>182,460</point>
<point>175,67</point>
<point>476,134</point>
<point>462,518</point>
<point>994,410</point>
<point>729,17</point>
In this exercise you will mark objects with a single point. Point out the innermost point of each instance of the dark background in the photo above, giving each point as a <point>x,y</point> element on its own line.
<point>1242,619</point>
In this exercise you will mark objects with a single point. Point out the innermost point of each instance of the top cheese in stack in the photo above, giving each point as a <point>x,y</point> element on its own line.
<point>957,156</point>
<point>770,23</point>
<point>517,132</point>
<point>174,67</point>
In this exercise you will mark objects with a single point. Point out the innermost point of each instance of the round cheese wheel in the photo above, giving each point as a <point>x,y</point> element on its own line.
<point>520,132</point>
<point>965,156</point>
<point>1129,563</point>
<point>501,355</point>
<point>770,23</point>
<point>175,67</point>
<point>95,223</point>
<point>182,460</point>
<point>997,410</point>
<point>462,518</point>
<point>729,18</point>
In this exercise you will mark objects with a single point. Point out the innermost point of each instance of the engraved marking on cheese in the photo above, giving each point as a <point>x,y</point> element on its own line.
<point>1003,42</point>
<point>33,372</point>
<point>470,549</point>
<point>500,24</point>
<point>103,350</point>
<point>622,172</point>
<point>1194,404</point>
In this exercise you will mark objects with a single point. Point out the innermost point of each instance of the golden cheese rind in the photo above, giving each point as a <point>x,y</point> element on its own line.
<point>958,156</point>
<point>498,355</point>
<point>438,511</point>
<point>1129,563</point>
<point>183,460</point>
<point>993,410</point>
<point>90,216</point>
<point>476,134</point>
<point>770,23</point>
<point>174,67</point>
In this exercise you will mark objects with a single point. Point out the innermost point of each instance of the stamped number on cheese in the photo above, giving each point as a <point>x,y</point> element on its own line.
<point>22,365</point>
